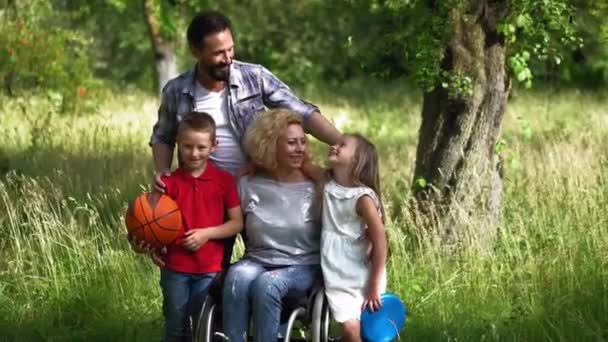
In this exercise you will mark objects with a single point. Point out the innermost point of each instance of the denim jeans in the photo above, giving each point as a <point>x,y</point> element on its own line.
<point>251,287</point>
<point>183,296</point>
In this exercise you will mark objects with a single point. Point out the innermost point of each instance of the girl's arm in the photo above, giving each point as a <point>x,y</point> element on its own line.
<point>367,209</point>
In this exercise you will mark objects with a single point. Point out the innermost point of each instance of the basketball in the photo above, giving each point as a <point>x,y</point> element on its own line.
<point>154,219</point>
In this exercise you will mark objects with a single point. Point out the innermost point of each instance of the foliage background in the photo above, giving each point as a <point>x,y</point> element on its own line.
<point>77,101</point>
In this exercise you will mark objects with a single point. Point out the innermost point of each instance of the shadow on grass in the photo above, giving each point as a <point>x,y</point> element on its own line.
<point>51,329</point>
<point>116,301</point>
<point>97,313</point>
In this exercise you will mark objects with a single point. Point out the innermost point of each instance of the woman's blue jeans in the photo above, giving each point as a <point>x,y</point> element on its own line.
<point>183,296</point>
<point>251,287</point>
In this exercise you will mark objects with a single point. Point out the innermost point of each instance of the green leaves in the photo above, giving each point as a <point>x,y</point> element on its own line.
<point>508,31</point>
<point>523,21</point>
<point>538,32</point>
<point>533,32</point>
<point>457,84</point>
<point>500,146</point>
<point>519,66</point>
<point>38,58</point>
<point>525,129</point>
<point>420,183</point>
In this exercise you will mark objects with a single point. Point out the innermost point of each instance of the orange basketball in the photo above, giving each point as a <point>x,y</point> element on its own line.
<point>155,223</point>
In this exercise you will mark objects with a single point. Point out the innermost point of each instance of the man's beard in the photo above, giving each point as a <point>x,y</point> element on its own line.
<point>219,72</point>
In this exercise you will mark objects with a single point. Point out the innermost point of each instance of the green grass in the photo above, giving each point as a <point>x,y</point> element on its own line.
<point>67,273</point>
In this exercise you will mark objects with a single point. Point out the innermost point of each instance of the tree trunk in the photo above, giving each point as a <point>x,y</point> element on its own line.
<point>456,155</point>
<point>164,49</point>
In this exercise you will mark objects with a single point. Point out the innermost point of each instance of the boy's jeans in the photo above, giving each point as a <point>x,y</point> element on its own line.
<point>183,296</point>
<point>251,285</point>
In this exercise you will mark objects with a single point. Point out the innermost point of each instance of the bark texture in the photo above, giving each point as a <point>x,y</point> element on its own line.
<point>165,57</point>
<point>456,153</point>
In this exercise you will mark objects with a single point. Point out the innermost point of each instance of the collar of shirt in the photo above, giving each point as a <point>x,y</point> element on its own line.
<point>207,174</point>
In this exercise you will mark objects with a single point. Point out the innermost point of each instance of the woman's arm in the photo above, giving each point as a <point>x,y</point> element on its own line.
<point>313,171</point>
<point>376,234</point>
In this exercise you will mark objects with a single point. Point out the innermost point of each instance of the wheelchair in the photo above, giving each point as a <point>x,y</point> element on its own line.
<point>312,312</point>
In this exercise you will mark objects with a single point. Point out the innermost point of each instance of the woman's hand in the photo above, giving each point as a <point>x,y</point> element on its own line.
<point>372,298</point>
<point>313,171</point>
<point>195,238</point>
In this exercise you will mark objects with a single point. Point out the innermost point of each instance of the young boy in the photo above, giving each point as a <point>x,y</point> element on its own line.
<point>206,196</point>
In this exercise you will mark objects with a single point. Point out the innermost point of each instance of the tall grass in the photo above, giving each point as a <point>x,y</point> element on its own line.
<point>67,273</point>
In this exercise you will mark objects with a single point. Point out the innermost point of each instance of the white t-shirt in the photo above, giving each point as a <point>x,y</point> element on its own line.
<point>228,156</point>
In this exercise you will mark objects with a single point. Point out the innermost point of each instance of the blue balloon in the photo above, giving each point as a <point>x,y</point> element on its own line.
<point>384,324</point>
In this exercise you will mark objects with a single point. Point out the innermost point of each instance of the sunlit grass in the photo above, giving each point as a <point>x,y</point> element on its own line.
<point>67,273</point>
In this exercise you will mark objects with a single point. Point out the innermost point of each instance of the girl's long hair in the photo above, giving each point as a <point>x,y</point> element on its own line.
<point>366,170</point>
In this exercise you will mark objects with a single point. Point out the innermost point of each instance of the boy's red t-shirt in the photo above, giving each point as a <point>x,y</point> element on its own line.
<point>203,202</point>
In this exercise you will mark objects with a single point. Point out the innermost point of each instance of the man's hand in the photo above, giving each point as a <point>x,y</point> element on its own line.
<point>372,298</point>
<point>195,238</point>
<point>158,184</point>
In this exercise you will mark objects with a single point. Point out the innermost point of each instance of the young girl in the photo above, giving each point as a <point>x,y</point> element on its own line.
<point>352,223</point>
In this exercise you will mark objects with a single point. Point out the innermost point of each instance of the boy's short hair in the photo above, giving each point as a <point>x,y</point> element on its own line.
<point>204,24</point>
<point>197,121</point>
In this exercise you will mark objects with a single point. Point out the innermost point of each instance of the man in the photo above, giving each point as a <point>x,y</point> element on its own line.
<point>231,91</point>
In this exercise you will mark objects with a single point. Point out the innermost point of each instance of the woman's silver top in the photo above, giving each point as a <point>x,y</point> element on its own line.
<point>282,225</point>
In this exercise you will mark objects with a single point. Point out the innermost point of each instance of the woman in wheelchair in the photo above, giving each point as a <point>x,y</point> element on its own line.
<point>282,230</point>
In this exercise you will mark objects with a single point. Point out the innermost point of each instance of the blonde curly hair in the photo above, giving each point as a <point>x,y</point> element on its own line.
<point>260,142</point>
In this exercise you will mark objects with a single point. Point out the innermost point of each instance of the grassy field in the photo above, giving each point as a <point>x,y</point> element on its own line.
<point>67,273</point>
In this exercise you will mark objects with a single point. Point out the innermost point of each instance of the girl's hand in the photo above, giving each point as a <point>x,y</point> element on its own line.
<point>194,239</point>
<point>372,298</point>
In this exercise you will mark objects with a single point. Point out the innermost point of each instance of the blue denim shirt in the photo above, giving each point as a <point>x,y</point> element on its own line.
<point>251,88</point>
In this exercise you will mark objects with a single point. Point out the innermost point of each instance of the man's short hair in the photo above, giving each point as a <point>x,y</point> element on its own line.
<point>204,24</point>
<point>197,121</point>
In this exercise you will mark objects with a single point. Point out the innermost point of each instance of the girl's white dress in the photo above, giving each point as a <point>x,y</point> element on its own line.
<point>346,266</point>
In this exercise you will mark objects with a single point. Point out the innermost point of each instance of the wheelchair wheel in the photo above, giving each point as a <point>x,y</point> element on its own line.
<point>322,329</point>
<point>204,327</point>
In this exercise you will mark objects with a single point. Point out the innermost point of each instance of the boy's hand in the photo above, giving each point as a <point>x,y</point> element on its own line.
<point>139,246</point>
<point>194,239</point>
<point>158,184</point>
<point>144,247</point>
<point>157,259</point>
<point>372,298</point>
